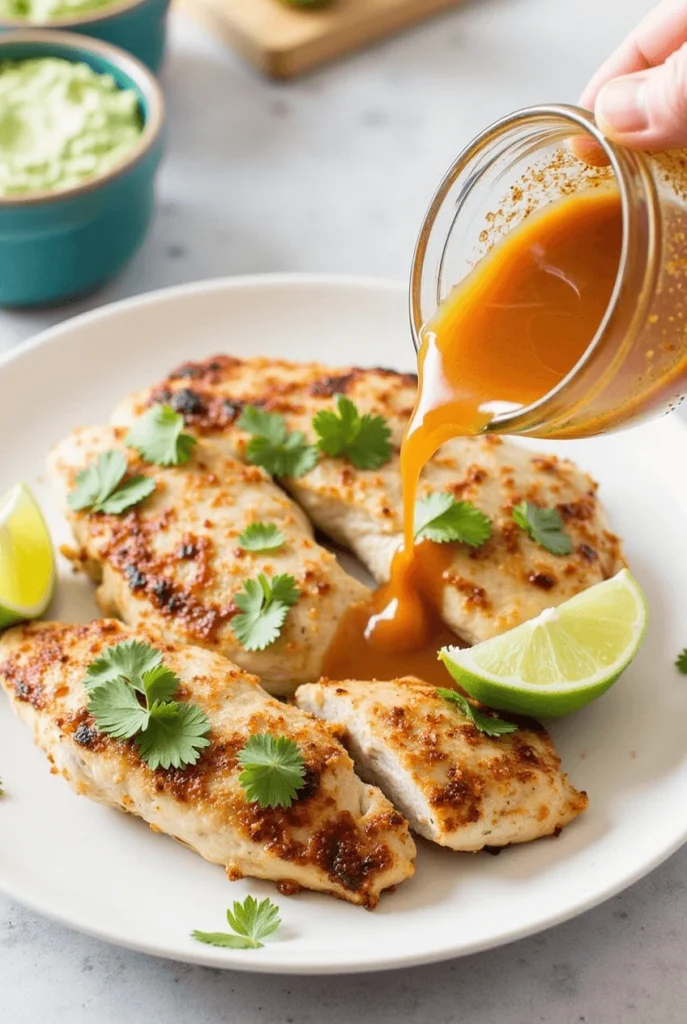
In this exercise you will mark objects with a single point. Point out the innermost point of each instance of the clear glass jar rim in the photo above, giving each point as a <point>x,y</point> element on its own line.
<point>511,422</point>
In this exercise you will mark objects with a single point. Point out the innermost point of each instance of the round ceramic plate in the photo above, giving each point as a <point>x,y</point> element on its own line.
<point>107,874</point>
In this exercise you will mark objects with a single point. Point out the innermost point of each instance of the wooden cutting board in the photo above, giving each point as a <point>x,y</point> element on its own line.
<point>283,41</point>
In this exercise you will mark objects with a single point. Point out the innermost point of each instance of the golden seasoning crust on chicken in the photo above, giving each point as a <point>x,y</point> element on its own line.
<point>341,836</point>
<point>457,786</point>
<point>174,561</point>
<point>507,581</point>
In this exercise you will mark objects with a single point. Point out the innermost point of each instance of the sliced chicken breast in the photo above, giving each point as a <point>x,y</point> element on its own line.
<point>340,836</point>
<point>456,786</point>
<point>174,561</point>
<point>507,581</point>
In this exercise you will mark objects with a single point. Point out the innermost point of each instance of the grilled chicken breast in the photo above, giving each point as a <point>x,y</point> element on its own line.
<point>174,561</point>
<point>456,786</point>
<point>507,581</point>
<point>340,837</point>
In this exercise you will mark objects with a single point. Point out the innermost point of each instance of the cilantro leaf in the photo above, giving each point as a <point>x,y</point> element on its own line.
<point>129,659</point>
<point>157,436</point>
<point>225,940</point>
<point>489,724</point>
<point>159,684</point>
<point>282,588</point>
<point>261,537</point>
<point>130,695</point>
<point>442,519</point>
<point>116,709</point>
<point>174,736</point>
<point>279,452</point>
<point>99,486</point>
<point>2,791</point>
<point>127,495</point>
<point>250,920</point>
<point>273,770</point>
<point>681,662</point>
<point>545,527</point>
<point>363,440</point>
<point>264,606</point>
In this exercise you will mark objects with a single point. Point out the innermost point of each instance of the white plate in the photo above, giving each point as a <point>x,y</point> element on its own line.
<point>109,875</point>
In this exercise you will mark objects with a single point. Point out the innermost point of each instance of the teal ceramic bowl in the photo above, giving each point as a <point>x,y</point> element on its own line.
<point>57,245</point>
<point>138,26</point>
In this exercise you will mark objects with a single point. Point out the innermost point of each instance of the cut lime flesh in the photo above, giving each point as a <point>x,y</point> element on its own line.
<point>560,661</point>
<point>27,564</point>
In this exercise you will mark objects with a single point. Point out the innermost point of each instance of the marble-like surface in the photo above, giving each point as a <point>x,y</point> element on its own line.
<point>333,173</point>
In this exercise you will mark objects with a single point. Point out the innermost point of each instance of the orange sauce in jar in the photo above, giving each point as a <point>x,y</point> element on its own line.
<point>507,335</point>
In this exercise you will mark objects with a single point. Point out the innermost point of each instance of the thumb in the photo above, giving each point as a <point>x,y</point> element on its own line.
<point>648,109</point>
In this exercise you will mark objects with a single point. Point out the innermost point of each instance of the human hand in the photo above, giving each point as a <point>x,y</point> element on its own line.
<point>639,95</point>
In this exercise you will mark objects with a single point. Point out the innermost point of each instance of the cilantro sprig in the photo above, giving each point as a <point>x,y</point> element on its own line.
<point>264,606</point>
<point>273,770</point>
<point>130,695</point>
<point>261,537</point>
<point>250,921</point>
<point>442,519</point>
<point>681,662</point>
<point>272,446</point>
<point>490,725</point>
<point>363,440</point>
<point>545,527</point>
<point>99,486</point>
<point>158,437</point>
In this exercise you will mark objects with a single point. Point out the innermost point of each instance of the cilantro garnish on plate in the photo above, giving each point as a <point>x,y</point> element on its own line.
<point>273,447</point>
<point>488,724</point>
<point>261,537</point>
<point>130,695</point>
<point>99,486</point>
<point>250,921</point>
<point>363,440</point>
<point>545,527</point>
<point>158,437</point>
<point>442,519</point>
<point>273,770</point>
<point>264,606</point>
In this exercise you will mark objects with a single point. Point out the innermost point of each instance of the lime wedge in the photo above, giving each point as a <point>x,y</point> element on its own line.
<point>27,565</point>
<point>560,661</point>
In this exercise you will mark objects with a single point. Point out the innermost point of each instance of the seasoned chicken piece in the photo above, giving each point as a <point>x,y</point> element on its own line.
<point>456,786</point>
<point>340,836</point>
<point>507,581</point>
<point>174,562</point>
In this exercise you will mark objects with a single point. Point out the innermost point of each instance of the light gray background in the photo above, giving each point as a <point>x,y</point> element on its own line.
<point>333,173</point>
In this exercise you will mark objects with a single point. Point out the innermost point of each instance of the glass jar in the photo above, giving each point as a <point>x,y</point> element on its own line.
<point>636,365</point>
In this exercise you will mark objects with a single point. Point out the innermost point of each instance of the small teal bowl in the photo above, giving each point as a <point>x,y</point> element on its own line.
<point>56,245</point>
<point>138,26</point>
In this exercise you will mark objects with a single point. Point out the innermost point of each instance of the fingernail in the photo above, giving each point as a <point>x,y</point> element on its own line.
<point>620,108</point>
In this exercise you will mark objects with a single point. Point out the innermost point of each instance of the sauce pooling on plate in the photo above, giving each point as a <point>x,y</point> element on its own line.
<point>507,335</point>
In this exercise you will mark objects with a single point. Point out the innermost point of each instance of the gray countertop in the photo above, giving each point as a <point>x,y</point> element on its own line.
<point>333,173</point>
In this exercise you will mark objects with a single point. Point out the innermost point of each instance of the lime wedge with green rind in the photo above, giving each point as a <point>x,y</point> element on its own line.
<point>27,563</point>
<point>560,661</point>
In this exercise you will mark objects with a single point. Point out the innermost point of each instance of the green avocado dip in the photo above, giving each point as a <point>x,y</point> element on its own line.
<point>40,11</point>
<point>61,123</point>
